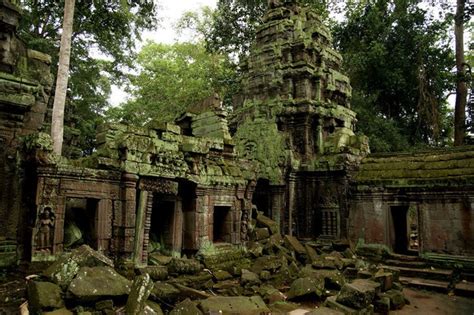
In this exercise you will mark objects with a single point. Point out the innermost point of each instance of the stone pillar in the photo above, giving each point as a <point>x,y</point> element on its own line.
<point>127,229</point>
<point>140,228</point>
<point>177,228</point>
<point>291,202</point>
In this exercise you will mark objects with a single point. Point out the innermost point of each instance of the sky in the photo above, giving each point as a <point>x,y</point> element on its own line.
<point>169,13</point>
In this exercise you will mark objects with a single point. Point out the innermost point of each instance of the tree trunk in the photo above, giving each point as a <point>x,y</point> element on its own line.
<point>461,86</point>
<point>57,125</point>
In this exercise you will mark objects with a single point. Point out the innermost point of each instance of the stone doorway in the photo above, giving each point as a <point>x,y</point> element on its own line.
<point>162,223</point>
<point>222,224</point>
<point>262,197</point>
<point>404,236</point>
<point>80,222</point>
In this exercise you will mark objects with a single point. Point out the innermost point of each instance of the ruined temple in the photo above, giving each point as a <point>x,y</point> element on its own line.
<point>295,123</point>
<point>292,152</point>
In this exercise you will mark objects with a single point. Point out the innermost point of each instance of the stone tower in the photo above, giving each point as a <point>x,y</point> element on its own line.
<point>294,120</point>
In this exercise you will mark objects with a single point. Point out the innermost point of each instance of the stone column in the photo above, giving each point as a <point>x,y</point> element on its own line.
<point>140,228</point>
<point>127,228</point>
<point>291,202</point>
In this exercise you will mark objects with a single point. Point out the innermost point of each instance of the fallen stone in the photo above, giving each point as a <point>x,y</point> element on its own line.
<point>255,249</point>
<point>270,294</point>
<point>159,259</point>
<point>260,234</point>
<point>333,279</point>
<point>323,310</point>
<point>166,292</point>
<point>66,267</point>
<point>311,253</point>
<point>327,262</point>
<point>385,279</point>
<point>397,299</point>
<point>271,263</point>
<point>294,244</point>
<point>268,223</point>
<point>333,304</point>
<point>186,307</point>
<point>234,305</point>
<point>139,293</point>
<point>184,266</point>
<point>249,278</point>
<point>43,295</point>
<point>152,308</point>
<point>284,307</point>
<point>92,283</point>
<point>156,272</point>
<point>62,311</point>
<point>222,275</point>
<point>303,287</point>
<point>358,294</point>
<point>190,292</point>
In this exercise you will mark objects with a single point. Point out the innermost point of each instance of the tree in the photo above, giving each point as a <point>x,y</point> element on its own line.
<point>461,86</point>
<point>171,78</point>
<point>103,48</point>
<point>398,59</point>
<point>62,78</point>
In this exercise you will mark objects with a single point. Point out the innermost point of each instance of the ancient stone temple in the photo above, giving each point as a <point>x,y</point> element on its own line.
<point>292,151</point>
<point>295,123</point>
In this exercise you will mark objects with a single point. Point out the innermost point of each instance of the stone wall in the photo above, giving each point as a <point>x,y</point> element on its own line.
<point>438,186</point>
<point>25,86</point>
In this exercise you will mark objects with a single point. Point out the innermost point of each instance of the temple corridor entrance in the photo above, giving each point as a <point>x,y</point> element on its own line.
<point>222,224</point>
<point>162,223</point>
<point>80,222</point>
<point>404,238</point>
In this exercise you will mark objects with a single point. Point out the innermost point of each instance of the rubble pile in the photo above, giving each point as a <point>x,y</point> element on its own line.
<point>272,274</point>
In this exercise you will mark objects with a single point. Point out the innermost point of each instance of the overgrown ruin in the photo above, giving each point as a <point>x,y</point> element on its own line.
<point>290,164</point>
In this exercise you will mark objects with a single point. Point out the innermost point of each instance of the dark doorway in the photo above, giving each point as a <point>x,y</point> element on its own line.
<point>80,222</point>
<point>161,225</point>
<point>262,197</point>
<point>222,224</point>
<point>400,229</point>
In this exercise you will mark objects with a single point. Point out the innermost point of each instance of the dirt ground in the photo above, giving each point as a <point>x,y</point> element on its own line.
<point>431,303</point>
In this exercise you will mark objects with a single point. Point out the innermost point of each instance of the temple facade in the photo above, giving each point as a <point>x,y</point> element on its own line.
<point>292,152</point>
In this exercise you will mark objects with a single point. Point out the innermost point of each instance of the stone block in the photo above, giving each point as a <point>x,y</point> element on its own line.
<point>186,307</point>
<point>156,272</point>
<point>234,305</point>
<point>323,310</point>
<point>93,283</point>
<point>265,221</point>
<point>333,304</point>
<point>358,295</point>
<point>249,278</point>
<point>294,244</point>
<point>63,270</point>
<point>385,279</point>
<point>139,293</point>
<point>44,295</point>
<point>304,287</point>
<point>260,233</point>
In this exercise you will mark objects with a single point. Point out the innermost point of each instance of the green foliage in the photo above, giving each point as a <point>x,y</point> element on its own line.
<point>399,60</point>
<point>101,28</point>
<point>171,78</point>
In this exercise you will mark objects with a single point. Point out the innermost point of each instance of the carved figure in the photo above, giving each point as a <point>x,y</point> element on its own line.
<point>46,223</point>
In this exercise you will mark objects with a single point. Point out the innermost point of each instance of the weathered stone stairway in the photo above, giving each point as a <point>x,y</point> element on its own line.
<point>418,273</point>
